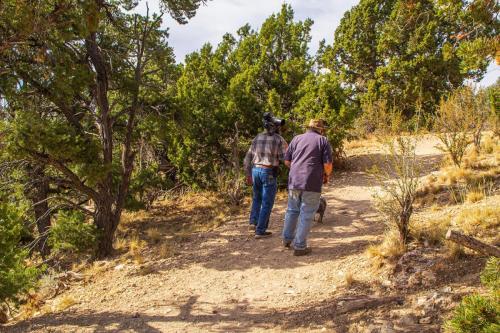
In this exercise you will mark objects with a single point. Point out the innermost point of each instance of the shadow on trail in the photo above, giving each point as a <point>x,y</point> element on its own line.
<point>233,318</point>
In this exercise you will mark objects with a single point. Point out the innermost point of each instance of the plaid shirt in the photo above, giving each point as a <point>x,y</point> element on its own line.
<point>266,150</point>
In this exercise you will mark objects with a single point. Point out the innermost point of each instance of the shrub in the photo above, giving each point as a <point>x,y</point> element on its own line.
<point>478,313</point>
<point>399,181</point>
<point>15,276</point>
<point>378,117</point>
<point>71,232</point>
<point>491,274</point>
<point>452,123</point>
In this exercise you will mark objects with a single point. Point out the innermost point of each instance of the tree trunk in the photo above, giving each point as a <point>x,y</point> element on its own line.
<point>38,193</point>
<point>104,220</point>
<point>473,243</point>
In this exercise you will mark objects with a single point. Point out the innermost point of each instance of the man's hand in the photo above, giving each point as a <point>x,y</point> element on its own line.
<point>249,180</point>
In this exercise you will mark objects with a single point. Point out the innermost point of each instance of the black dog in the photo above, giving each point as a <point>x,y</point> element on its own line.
<point>321,209</point>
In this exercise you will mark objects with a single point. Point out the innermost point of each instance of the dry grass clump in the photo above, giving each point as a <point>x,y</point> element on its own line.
<point>453,175</point>
<point>431,231</point>
<point>166,250</point>
<point>477,220</point>
<point>63,303</point>
<point>387,251</point>
<point>490,144</point>
<point>454,251</point>
<point>154,235</point>
<point>474,196</point>
<point>349,279</point>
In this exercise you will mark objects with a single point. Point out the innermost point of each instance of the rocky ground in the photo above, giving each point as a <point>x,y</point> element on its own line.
<point>226,281</point>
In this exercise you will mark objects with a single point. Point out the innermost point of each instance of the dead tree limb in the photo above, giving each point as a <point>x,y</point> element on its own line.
<point>363,303</point>
<point>472,243</point>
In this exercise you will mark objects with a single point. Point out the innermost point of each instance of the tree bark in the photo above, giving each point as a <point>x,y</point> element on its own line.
<point>38,193</point>
<point>104,220</point>
<point>473,243</point>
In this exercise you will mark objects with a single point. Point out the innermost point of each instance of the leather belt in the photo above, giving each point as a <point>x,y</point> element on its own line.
<point>264,166</point>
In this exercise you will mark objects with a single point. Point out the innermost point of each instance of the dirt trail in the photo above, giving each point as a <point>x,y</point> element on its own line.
<point>225,281</point>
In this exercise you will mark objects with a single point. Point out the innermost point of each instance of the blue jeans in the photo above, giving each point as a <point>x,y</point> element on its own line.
<point>301,204</point>
<point>264,191</point>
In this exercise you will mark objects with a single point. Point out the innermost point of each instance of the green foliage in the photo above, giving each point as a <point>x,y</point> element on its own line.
<point>146,185</point>
<point>15,276</point>
<point>476,313</point>
<point>224,91</point>
<point>491,274</point>
<point>401,51</point>
<point>70,232</point>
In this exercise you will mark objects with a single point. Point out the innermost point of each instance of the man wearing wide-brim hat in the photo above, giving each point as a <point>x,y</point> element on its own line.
<point>309,157</point>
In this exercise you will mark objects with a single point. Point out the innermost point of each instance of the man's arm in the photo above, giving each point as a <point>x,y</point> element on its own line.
<point>287,160</point>
<point>248,165</point>
<point>327,171</point>
<point>327,164</point>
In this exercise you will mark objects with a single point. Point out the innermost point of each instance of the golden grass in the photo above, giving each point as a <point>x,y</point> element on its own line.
<point>154,234</point>
<point>454,251</point>
<point>166,250</point>
<point>490,145</point>
<point>474,196</point>
<point>63,303</point>
<point>349,279</point>
<point>389,249</point>
<point>430,230</point>
<point>478,219</point>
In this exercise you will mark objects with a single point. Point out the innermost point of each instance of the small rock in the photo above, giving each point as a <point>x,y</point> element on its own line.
<point>136,315</point>
<point>446,289</point>
<point>215,311</point>
<point>407,320</point>
<point>387,283</point>
<point>425,320</point>
<point>119,267</point>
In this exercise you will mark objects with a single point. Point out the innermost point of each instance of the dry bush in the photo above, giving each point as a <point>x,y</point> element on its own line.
<point>390,249</point>
<point>431,230</point>
<point>378,118</point>
<point>399,181</point>
<point>452,124</point>
<point>231,187</point>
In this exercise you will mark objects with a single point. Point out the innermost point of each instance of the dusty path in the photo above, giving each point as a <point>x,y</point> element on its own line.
<point>225,281</point>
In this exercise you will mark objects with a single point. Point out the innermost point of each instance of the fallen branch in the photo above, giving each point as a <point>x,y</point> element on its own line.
<point>472,243</point>
<point>366,302</point>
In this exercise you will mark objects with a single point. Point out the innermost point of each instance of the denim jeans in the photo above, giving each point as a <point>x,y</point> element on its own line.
<point>264,192</point>
<point>303,205</point>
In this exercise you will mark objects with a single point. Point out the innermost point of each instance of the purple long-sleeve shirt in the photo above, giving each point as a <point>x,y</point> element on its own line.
<point>308,153</point>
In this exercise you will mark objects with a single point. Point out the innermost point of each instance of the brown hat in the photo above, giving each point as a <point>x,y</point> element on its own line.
<point>317,124</point>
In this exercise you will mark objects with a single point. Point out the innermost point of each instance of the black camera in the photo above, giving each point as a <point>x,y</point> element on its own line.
<point>271,121</point>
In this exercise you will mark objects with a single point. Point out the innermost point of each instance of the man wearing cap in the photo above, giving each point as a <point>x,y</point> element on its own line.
<point>309,158</point>
<point>261,163</point>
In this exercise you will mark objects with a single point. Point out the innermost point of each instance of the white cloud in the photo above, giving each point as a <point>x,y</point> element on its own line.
<point>221,16</point>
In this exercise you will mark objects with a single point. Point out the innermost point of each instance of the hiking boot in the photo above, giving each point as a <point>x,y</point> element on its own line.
<point>302,252</point>
<point>252,227</point>
<point>287,244</point>
<point>266,234</point>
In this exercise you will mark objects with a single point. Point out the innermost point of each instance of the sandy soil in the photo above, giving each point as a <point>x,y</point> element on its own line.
<point>226,281</point>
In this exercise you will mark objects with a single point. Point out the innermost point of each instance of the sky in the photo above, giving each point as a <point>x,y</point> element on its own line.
<point>218,17</point>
